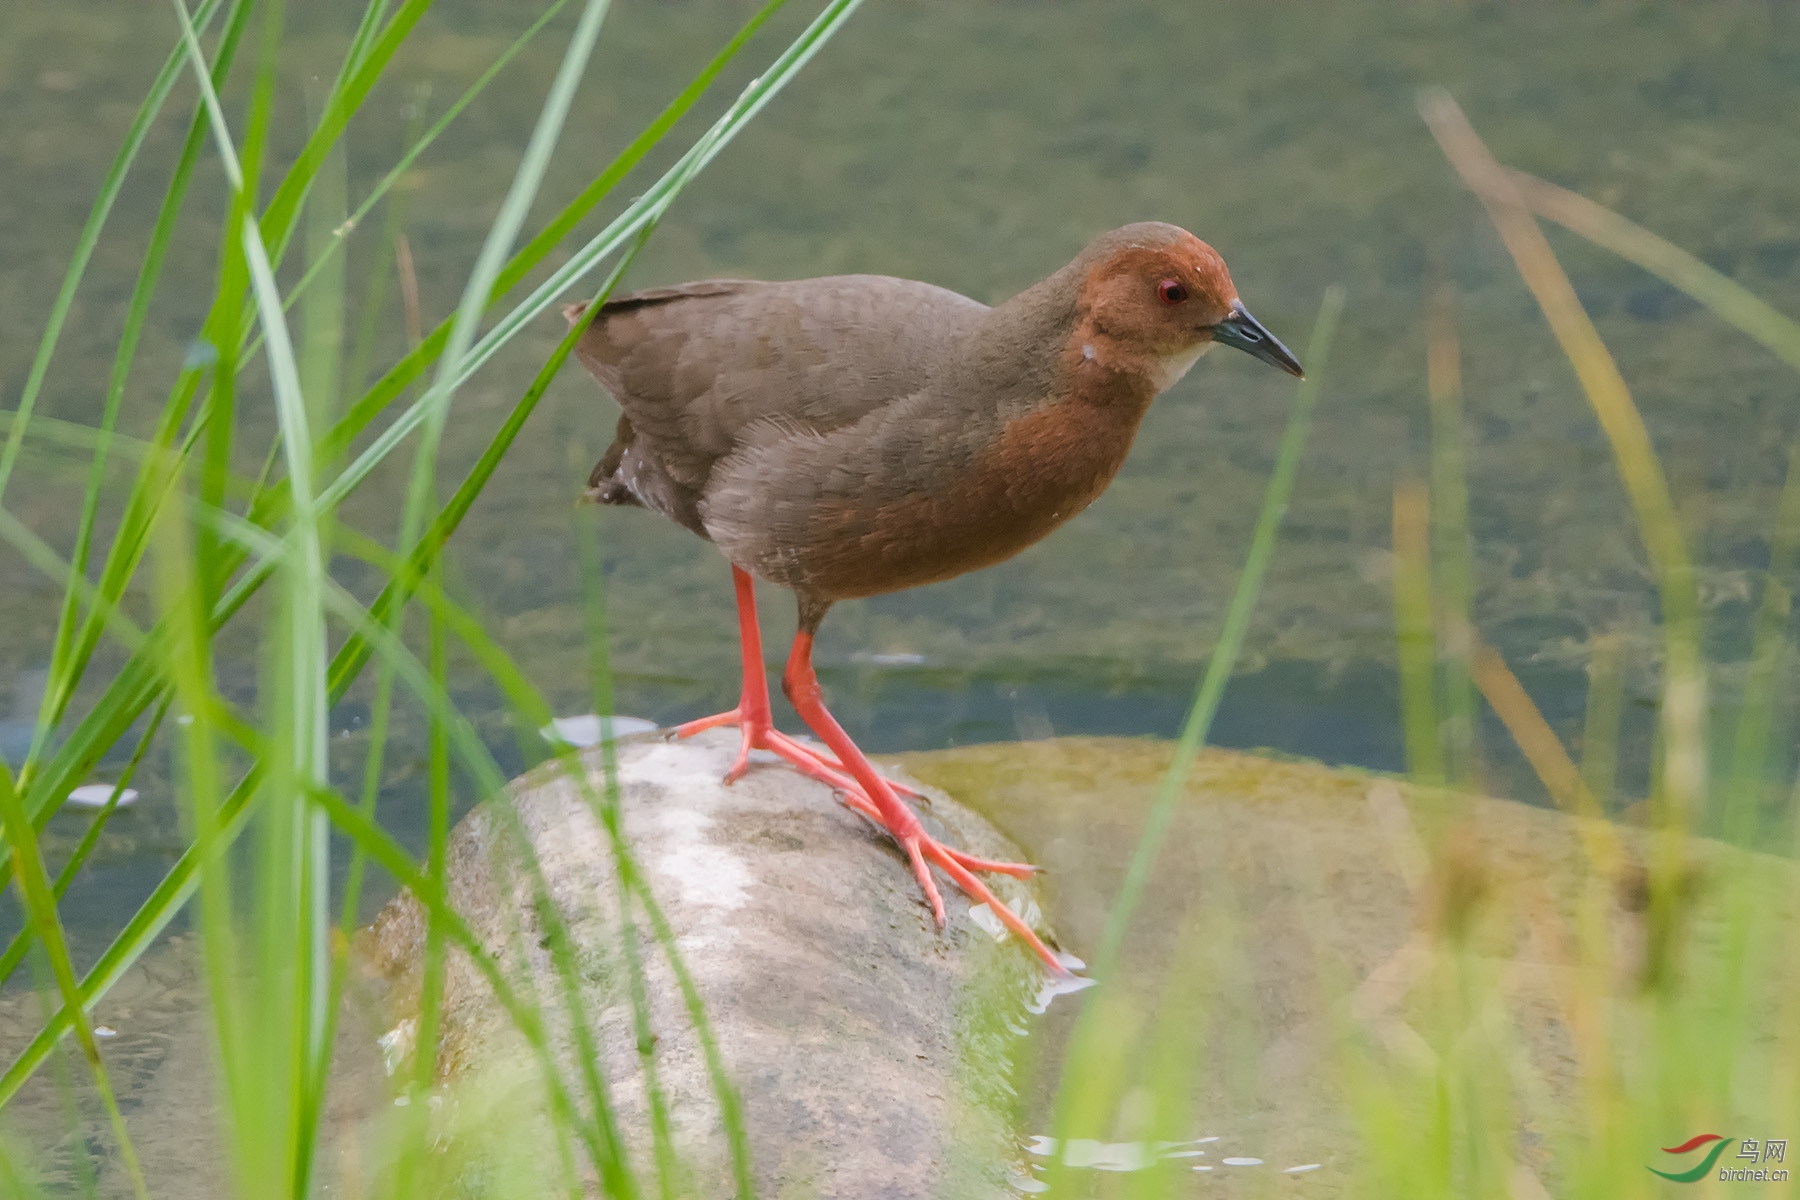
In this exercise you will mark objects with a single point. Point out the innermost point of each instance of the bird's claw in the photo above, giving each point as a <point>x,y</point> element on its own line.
<point>761,734</point>
<point>758,733</point>
<point>921,849</point>
<point>923,873</point>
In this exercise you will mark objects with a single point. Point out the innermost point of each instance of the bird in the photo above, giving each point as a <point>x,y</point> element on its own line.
<point>855,435</point>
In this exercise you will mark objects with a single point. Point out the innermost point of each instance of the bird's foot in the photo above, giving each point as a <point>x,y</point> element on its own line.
<point>759,733</point>
<point>921,848</point>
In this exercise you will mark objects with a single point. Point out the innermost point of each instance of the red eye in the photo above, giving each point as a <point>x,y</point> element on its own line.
<point>1170,291</point>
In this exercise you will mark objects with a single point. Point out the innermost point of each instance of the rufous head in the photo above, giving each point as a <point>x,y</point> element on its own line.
<point>1156,290</point>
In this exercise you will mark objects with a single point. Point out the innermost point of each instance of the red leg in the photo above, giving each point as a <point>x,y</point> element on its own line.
<point>755,717</point>
<point>874,797</point>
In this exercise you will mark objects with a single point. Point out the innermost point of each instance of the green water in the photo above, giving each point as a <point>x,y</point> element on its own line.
<point>978,145</point>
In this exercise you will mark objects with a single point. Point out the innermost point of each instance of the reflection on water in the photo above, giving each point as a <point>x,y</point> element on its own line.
<point>590,730</point>
<point>1094,1155</point>
<point>99,795</point>
<point>977,144</point>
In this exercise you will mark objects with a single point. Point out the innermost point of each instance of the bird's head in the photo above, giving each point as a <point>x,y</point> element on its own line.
<point>1155,298</point>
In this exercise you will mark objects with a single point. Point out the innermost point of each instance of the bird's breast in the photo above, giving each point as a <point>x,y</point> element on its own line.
<point>1042,468</point>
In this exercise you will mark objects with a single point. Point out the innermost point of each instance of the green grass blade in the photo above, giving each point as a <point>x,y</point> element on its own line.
<point>291,938</point>
<point>98,729</point>
<point>136,313</point>
<point>321,364</point>
<point>1454,579</point>
<point>89,238</point>
<point>1089,1024</point>
<point>615,1171</point>
<point>282,214</point>
<point>560,226</point>
<point>491,260</point>
<point>1237,621</point>
<point>642,213</point>
<point>383,849</point>
<point>656,199</point>
<point>56,695</point>
<point>154,480</point>
<point>179,884</point>
<point>361,42</point>
<point>209,98</point>
<point>128,544</point>
<point>354,653</point>
<point>1415,632</point>
<point>419,144</point>
<point>40,554</point>
<point>187,662</point>
<point>1684,778</point>
<point>1770,650</point>
<point>607,811</point>
<point>376,399</point>
<point>33,884</point>
<point>15,950</point>
<point>1600,726</point>
<point>1729,300</point>
<point>140,684</point>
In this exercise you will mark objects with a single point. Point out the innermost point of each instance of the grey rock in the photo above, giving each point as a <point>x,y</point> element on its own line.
<point>870,1051</point>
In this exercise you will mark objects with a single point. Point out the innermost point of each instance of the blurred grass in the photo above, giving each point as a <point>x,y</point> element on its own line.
<point>1435,1081</point>
<point>1451,549</point>
<point>269,908</point>
<point>1547,1026</point>
<point>1667,1050</point>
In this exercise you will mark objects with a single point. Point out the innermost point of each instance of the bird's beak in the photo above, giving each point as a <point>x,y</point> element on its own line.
<point>1245,332</point>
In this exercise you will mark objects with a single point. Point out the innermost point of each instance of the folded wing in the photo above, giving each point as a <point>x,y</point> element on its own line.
<point>705,368</point>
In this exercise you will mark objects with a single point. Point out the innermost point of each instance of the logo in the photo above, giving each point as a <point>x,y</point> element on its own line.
<point>1719,1142</point>
<point>1768,1150</point>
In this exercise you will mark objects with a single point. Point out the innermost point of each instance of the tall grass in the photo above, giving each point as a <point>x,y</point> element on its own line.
<point>272,915</point>
<point>1543,1029</point>
<point>1693,1030</point>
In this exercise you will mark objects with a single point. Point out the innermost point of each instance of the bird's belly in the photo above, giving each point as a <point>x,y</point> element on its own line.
<point>914,542</point>
<point>1043,469</point>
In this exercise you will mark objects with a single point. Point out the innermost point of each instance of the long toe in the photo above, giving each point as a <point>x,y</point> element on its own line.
<point>946,858</point>
<point>825,759</point>
<point>807,761</point>
<point>921,847</point>
<point>761,735</point>
<point>972,863</point>
<point>874,797</point>
<point>923,874</point>
<point>741,763</point>
<point>690,728</point>
<point>830,770</point>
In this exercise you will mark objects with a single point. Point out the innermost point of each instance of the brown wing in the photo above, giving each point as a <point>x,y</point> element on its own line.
<point>699,367</point>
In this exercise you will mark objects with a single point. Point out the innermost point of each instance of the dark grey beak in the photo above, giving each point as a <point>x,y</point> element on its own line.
<point>1245,332</point>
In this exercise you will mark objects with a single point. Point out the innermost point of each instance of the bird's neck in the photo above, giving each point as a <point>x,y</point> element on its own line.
<point>1063,436</point>
<point>1047,347</point>
<point>1102,369</point>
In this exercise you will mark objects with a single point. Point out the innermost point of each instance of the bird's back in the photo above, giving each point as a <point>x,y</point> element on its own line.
<point>704,370</point>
